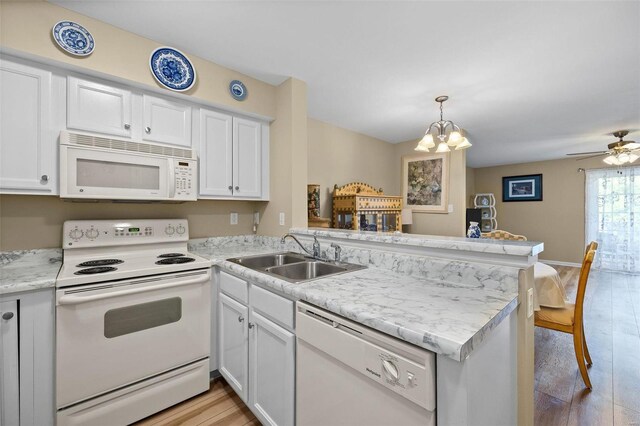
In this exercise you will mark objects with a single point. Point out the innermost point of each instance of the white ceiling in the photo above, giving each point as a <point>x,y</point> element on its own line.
<point>527,80</point>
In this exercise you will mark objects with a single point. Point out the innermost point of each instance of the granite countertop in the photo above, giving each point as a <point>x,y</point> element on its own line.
<point>444,317</point>
<point>479,245</point>
<point>28,270</point>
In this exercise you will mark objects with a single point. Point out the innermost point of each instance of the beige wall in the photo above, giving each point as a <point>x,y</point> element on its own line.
<point>288,154</point>
<point>35,221</point>
<point>558,220</point>
<point>471,189</point>
<point>26,26</point>
<point>450,224</point>
<point>338,156</point>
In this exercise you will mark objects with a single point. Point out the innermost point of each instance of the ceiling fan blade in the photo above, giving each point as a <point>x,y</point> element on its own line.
<point>590,152</point>
<point>592,156</point>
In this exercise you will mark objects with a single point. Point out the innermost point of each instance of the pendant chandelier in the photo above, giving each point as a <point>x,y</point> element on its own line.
<point>448,134</point>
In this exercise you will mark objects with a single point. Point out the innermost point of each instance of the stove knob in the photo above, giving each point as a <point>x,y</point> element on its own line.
<point>92,233</point>
<point>169,230</point>
<point>76,234</point>
<point>180,229</point>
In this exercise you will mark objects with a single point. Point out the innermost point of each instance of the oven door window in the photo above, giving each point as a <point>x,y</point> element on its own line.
<point>134,318</point>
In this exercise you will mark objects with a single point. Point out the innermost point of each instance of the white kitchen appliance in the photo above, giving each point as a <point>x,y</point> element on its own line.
<point>348,374</point>
<point>99,168</point>
<point>133,317</point>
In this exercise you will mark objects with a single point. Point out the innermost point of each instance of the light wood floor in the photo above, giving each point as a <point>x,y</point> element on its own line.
<point>612,323</point>
<point>218,406</point>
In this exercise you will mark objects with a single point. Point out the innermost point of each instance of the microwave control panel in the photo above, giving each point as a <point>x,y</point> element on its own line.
<point>185,179</point>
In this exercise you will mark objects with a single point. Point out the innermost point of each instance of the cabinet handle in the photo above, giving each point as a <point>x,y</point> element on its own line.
<point>230,188</point>
<point>251,325</point>
<point>44,178</point>
<point>237,188</point>
<point>147,129</point>
<point>127,126</point>
<point>7,316</point>
<point>240,318</point>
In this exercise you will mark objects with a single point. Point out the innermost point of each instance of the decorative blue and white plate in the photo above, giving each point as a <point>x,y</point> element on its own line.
<point>238,90</point>
<point>73,38</point>
<point>172,69</point>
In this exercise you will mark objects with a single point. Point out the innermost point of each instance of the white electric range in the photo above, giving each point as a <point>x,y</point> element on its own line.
<point>133,322</point>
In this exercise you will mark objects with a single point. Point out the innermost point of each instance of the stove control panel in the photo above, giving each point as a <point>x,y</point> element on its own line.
<point>102,233</point>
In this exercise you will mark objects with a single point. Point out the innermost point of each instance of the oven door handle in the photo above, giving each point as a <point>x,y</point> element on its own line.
<point>75,299</point>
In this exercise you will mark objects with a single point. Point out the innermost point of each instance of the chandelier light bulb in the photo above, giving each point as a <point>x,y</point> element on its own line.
<point>428,140</point>
<point>454,138</point>
<point>443,147</point>
<point>464,144</point>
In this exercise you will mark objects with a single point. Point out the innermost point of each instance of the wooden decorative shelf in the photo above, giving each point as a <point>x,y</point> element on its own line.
<point>360,206</point>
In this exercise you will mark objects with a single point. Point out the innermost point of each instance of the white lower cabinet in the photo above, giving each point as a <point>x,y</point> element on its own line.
<point>257,350</point>
<point>9,366</point>
<point>26,359</point>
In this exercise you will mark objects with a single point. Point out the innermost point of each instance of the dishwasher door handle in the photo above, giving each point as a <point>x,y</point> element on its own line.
<point>75,300</point>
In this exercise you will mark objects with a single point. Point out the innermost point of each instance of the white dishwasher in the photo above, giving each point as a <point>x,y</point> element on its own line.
<point>348,374</point>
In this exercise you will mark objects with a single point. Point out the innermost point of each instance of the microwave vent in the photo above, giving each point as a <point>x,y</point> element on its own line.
<point>124,145</point>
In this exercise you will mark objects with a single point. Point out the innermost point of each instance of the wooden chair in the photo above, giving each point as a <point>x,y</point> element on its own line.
<point>503,235</point>
<point>570,318</point>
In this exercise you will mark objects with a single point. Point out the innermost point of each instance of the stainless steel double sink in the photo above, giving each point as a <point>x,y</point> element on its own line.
<point>294,267</point>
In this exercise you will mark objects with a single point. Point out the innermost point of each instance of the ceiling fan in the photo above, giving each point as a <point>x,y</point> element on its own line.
<point>618,153</point>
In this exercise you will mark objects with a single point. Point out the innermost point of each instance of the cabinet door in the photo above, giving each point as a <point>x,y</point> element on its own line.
<point>9,369</point>
<point>272,369</point>
<point>98,108</point>
<point>28,160</point>
<point>233,340</point>
<point>216,154</point>
<point>247,158</point>
<point>166,121</point>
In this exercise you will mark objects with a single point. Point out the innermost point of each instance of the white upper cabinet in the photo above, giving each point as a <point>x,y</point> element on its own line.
<point>28,160</point>
<point>166,121</point>
<point>247,158</point>
<point>98,108</point>
<point>216,154</point>
<point>234,157</point>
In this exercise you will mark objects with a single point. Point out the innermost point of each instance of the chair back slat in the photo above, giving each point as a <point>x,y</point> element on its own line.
<point>582,281</point>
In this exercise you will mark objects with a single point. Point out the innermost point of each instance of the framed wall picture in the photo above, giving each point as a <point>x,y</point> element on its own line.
<point>522,188</point>
<point>425,183</point>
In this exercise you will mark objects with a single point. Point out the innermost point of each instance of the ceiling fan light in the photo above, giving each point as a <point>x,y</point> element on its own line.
<point>611,160</point>
<point>464,144</point>
<point>454,138</point>
<point>632,145</point>
<point>633,157</point>
<point>623,158</point>
<point>443,147</point>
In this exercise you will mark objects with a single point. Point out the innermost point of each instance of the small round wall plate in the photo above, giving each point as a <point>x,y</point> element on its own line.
<point>73,38</point>
<point>172,69</point>
<point>238,90</point>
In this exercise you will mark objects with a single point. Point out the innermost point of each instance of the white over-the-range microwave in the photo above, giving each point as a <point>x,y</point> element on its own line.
<point>100,168</point>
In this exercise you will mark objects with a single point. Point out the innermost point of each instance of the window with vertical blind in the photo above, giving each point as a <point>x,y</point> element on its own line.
<point>613,217</point>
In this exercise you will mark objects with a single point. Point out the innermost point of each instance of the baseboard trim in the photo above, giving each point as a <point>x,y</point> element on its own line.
<point>560,263</point>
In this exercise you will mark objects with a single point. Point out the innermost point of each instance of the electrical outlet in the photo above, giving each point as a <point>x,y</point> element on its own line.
<point>233,218</point>
<point>529,303</point>
<point>256,218</point>
<point>450,210</point>
<point>282,219</point>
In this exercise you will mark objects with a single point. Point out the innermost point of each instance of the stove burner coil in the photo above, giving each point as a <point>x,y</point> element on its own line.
<point>174,260</point>
<point>169,255</point>
<point>96,270</point>
<point>101,262</point>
